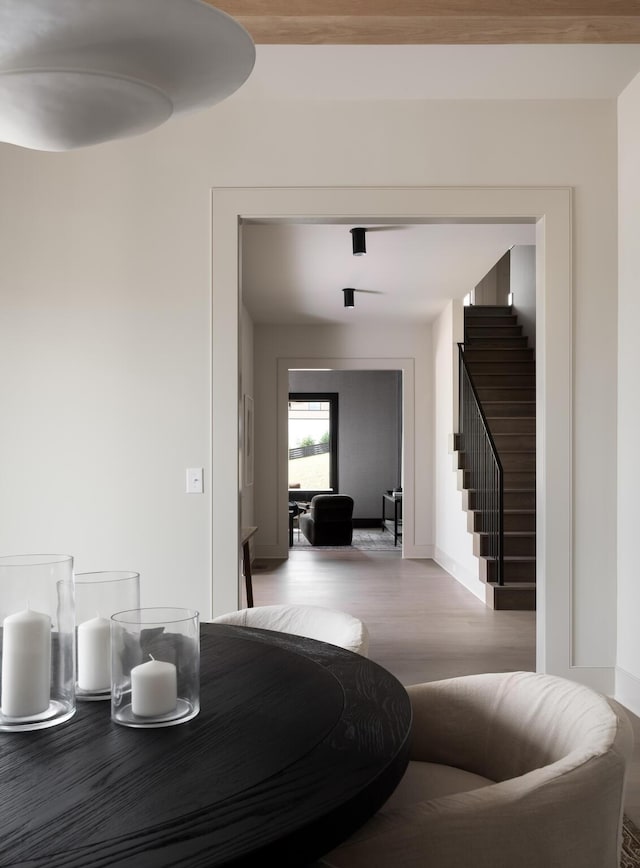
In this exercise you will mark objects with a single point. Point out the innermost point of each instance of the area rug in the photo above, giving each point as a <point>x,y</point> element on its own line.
<point>630,856</point>
<point>364,539</point>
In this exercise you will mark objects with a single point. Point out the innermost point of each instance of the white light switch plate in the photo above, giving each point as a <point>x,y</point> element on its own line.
<point>194,480</point>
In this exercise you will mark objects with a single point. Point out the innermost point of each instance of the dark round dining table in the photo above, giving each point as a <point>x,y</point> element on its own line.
<point>296,744</point>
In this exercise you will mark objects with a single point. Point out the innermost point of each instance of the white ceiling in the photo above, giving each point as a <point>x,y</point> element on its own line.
<point>294,274</point>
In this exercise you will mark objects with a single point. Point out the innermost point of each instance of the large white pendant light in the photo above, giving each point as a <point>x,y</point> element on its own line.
<point>79,72</point>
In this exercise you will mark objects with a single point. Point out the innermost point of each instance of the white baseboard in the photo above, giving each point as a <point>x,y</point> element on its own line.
<point>466,578</point>
<point>275,552</point>
<point>417,552</point>
<point>627,690</point>
<point>271,552</point>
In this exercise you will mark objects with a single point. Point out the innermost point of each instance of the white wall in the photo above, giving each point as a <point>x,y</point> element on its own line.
<point>453,542</point>
<point>494,286</point>
<point>342,348</point>
<point>245,389</point>
<point>523,286</point>
<point>628,561</point>
<point>105,320</point>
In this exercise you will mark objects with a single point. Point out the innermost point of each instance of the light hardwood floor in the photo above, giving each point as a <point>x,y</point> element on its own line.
<point>423,624</point>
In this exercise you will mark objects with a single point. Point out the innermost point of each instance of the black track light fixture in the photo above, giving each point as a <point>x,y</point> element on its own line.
<point>358,240</point>
<point>349,300</point>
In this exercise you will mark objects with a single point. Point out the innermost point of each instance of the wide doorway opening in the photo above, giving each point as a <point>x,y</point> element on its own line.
<point>550,209</point>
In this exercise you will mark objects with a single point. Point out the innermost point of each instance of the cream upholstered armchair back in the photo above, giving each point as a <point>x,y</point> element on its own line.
<point>506,769</point>
<point>315,622</point>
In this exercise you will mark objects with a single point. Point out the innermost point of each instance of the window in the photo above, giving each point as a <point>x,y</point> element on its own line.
<point>313,443</point>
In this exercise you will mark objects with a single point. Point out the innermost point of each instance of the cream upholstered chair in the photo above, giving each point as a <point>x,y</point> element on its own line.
<point>314,622</point>
<point>507,769</point>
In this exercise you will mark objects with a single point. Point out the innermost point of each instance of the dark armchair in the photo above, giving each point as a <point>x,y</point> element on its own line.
<point>329,520</point>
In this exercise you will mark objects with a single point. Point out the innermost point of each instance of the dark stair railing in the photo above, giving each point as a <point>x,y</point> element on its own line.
<point>483,465</point>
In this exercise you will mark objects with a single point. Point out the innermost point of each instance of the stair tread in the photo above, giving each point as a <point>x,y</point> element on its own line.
<point>509,509</point>
<point>513,558</point>
<point>508,533</point>
<point>512,586</point>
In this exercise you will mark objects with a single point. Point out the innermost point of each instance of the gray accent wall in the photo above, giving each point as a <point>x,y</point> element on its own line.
<point>369,433</point>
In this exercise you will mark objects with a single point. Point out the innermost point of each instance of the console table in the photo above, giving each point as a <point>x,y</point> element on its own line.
<point>296,745</point>
<point>394,501</point>
<point>296,509</point>
<point>245,535</point>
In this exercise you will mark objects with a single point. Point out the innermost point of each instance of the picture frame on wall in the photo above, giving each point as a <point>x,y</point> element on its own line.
<point>248,440</point>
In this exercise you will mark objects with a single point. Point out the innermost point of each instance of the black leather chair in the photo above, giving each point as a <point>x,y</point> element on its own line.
<point>329,521</point>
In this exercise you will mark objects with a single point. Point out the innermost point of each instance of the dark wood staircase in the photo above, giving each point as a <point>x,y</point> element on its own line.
<point>502,368</point>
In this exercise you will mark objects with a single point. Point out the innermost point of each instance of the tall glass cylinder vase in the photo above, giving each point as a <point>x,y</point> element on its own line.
<point>155,667</point>
<point>99,595</point>
<point>37,617</point>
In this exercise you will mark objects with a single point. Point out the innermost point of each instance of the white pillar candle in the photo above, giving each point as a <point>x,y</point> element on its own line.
<point>94,654</point>
<point>26,664</point>
<point>154,688</point>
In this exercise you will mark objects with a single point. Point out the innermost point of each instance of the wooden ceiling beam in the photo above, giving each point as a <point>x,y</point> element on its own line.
<point>449,30</point>
<point>421,8</point>
<point>444,22</point>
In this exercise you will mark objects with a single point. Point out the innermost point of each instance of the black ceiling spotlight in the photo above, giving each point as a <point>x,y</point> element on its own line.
<point>358,239</point>
<point>348,297</point>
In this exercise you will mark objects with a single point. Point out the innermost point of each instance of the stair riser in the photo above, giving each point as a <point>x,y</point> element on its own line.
<point>513,545</point>
<point>512,425</point>
<point>512,500</point>
<point>520,499</point>
<point>507,356</point>
<point>519,479</point>
<point>476,521</point>
<point>511,479</point>
<point>522,381</point>
<point>492,331</point>
<point>505,393</point>
<point>518,461</point>
<point>510,599</point>
<point>510,461</point>
<point>506,321</point>
<point>514,571</point>
<point>508,408</point>
<point>525,521</point>
<point>483,310</point>
<point>515,442</point>
<point>492,367</point>
<point>498,343</point>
